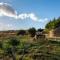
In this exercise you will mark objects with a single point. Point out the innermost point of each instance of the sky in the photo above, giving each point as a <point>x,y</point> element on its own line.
<point>25,14</point>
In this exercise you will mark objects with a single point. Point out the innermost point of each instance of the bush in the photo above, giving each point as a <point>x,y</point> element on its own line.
<point>32,32</point>
<point>21,32</point>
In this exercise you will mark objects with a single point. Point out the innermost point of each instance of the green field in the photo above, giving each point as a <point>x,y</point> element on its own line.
<point>29,49</point>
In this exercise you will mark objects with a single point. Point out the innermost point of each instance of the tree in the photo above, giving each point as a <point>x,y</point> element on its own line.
<point>14,43</point>
<point>57,22</point>
<point>50,25</point>
<point>40,30</point>
<point>32,32</point>
<point>53,24</point>
<point>21,32</point>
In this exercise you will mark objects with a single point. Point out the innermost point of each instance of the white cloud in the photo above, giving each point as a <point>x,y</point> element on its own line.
<point>33,17</point>
<point>7,10</point>
<point>25,15</point>
<point>43,20</point>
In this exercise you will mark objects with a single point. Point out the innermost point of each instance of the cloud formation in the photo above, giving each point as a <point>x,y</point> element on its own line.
<point>7,10</point>
<point>25,15</point>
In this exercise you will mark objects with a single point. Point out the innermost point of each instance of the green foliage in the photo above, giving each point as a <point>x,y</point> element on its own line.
<point>10,47</point>
<point>14,42</point>
<point>53,24</point>
<point>55,42</point>
<point>21,32</point>
<point>45,50</point>
<point>32,32</point>
<point>40,30</point>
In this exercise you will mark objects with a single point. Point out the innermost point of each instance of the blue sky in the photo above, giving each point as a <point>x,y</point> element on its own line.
<point>43,10</point>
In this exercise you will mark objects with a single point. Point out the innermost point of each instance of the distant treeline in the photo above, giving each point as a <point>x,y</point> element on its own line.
<point>52,24</point>
<point>31,31</point>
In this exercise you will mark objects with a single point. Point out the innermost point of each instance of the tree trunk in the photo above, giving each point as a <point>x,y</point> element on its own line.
<point>13,53</point>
